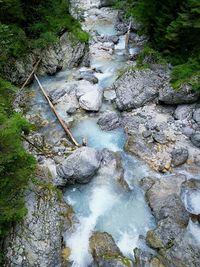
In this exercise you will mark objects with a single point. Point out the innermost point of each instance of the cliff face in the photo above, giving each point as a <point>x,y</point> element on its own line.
<point>38,240</point>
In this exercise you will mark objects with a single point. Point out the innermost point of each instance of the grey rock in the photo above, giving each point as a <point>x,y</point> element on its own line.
<point>80,166</point>
<point>146,134</point>
<point>102,244</point>
<point>190,194</point>
<point>71,110</point>
<point>92,100</point>
<point>196,115</point>
<point>195,139</point>
<point>55,95</point>
<point>142,258</point>
<point>109,95</point>
<point>108,121</point>
<point>159,192</point>
<point>179,156</point>
<point>86,75</point>
<point>66,53</point>
<point>185,95</point>
<point>107,38</point>
<point>122,28</point>
<point>188,131</point>
<point>183,112</point>
<point>146,183</point>
<point>163,236</point>
<point>37,240</point>
<point>159,137</point>
<point>135,88</point>
<point>184,252</point>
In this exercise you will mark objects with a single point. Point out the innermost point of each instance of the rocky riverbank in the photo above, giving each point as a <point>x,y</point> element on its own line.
<point>162,128</point>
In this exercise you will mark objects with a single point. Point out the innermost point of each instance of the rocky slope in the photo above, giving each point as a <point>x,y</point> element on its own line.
<point>66,53</point>
<point>38,240</point>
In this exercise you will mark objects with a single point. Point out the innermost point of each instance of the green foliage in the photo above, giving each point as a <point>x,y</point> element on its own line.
<point>16,165</point>
<point>25,25</point>
<point>187,73</point>
<point>173,27</point>
<point>149,55</point>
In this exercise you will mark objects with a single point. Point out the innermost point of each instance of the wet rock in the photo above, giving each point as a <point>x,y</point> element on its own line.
<point>195,139</point>
<point>108,121</point>
<point>107,38</point>
<point>68,103</point>
<point>135,88</point>
<point>190,194</point>
<point>184,252</point>
<point>80,166</point>
<point>165,233</point>
<point>161,190</point>
<point>91,101</point>
<point>88,76</point>
<point>55,95</point>
<point>109,95</point>
<point>159,137</point>
<point>184,96</point>
<point>179,156</point>
<point>196,115</point>
<point>183,112</point>
<point>145,259</point>
<point>146,183</point>
<point>105,252</point>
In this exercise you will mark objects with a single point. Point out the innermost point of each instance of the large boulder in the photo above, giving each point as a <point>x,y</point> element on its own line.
<point>105,252</point>
<point>136,87</point>
<point>91,101</point>
<point>158,195</point>
<point>190,194</point>
<point>79,167</point>
<point>184,95</point>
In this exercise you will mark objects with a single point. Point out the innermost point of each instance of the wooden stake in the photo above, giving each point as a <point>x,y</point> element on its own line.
<point>63,124</point>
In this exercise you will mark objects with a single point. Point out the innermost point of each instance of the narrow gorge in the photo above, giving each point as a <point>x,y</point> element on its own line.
<point>129,194</point>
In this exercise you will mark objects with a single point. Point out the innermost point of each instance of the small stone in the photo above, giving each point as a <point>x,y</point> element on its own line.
<point>179,156</point>
<point>146,134</point>
<point>195,139</point>
<point>160,137</point>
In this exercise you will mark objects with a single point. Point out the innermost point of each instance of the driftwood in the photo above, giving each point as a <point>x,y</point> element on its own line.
<point>127,36</point>
<point>63,124</point>
<point>31,74</point>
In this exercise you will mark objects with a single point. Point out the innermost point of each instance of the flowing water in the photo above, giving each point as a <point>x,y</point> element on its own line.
<point>101,204</point>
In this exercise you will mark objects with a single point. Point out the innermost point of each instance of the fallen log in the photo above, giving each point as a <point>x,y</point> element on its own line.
<point>31,74</point>
<point>127,36</point>
<point>63,124</point>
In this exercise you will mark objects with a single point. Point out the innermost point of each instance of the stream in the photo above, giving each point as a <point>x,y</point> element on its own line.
<point>100,205</point>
